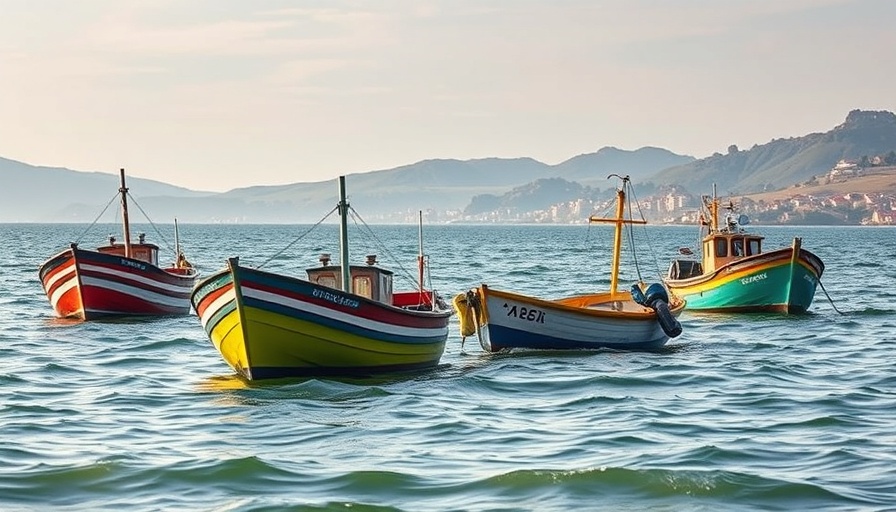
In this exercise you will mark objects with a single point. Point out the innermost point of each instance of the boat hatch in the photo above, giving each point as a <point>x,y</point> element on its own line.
<point>685,269</point>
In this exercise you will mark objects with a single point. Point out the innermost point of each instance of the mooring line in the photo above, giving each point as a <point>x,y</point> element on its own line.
<point>829,297</point>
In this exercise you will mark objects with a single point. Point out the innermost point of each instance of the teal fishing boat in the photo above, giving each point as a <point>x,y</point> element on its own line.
<point>735,275</point>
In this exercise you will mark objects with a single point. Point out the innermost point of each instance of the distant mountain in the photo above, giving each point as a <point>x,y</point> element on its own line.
<point>784,162</point>
<point>539,194</point>
<point>447,187</point>
<point>641,165</point>
<point>49,194</point>
<point>45,194</point>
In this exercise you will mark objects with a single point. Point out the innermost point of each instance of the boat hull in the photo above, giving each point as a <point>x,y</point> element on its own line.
<point>267,325</point>
<point>775,281</point>
<point>514,321</point>
<point>89,285</point>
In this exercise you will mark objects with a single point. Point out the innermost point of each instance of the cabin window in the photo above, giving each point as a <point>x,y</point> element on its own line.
<point>753,247</point>
<point>145,254</point>
<point>737,246</point>
<point>361,286</point>
<point>327,280</point>
<point>721,247</point>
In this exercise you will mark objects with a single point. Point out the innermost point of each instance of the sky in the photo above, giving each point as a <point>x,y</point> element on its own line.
<point>221,94</point>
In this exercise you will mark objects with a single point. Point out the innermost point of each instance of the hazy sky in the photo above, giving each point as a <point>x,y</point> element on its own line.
<point>219,94</point>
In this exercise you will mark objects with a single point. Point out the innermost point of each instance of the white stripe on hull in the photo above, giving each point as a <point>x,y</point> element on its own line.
<point>579,327</point>
<point>345,317</point>
<point>173,288</point>
<point>59,292</point>
<point>70,272</point>
<point>216,306</point>
<point>138,293</point>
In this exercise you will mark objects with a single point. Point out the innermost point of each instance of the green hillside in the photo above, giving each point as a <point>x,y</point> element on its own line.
<point>784,162</point>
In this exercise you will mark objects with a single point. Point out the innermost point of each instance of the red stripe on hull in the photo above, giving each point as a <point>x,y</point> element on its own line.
<point>367,309</point>
<point>102,301</point>
<point>126,275</point>
<point>211,297</point>
<point>50,289</point>
<point>132,266</point>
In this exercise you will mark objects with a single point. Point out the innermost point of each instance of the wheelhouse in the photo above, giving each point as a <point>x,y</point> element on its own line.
<point>369,281</point>
<point>722,248</point>
<point>140,251</point>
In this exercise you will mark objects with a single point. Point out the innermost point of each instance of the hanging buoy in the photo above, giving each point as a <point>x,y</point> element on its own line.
<point>464,315</point>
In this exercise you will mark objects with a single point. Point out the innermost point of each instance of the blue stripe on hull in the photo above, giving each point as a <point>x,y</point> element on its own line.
<point>503,337</point>
<point>274,372</point>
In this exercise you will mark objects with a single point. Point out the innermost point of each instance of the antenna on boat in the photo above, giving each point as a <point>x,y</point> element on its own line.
<point>345,269</point>
<point>420,254</point>
<point>123,190</point>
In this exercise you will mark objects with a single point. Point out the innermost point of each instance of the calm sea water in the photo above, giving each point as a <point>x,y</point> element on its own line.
<point>753,412</point>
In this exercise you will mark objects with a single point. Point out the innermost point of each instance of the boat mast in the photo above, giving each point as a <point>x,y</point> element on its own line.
<point>420,254</point>
<point>343,237</point>
<point>714,211</point>
<point>617,239</point>
<point>123,190</point>
<point>176,245</point>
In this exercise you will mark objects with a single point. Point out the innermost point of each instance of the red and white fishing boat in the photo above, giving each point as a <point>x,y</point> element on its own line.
<point>118,279</point>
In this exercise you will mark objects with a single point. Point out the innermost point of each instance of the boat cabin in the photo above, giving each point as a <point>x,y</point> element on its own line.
<point>368,281</point>
<point>140,251</point>
<point>719,249</point>
<point>722,248</point>
<point>723,243</point>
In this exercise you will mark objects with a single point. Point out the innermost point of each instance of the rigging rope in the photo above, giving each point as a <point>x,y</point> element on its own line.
<point>631,230</point>
<point>303,235</point>
<point>159,233</point>
<point>656,262</point>
<point>357,217</point>
<point>114,197</point>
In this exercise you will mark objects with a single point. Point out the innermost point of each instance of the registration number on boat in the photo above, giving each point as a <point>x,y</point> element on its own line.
<point>753,279</point>
<point>524,313</point>
<point>129,263</point>
<point>335,298</point>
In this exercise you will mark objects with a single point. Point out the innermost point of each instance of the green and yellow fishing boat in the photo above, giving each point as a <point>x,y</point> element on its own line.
<point>733,273</point>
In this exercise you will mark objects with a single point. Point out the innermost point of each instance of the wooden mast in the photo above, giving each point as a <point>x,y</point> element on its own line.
<point>708,249</point>
<point>714,212</point>
<point>617,239</point>
<point>420,254</point>
<point>177,260</point>
<point>345,268</point>
<point>123,190</point>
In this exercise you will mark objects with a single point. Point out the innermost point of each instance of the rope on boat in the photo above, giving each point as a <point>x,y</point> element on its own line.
<point>357,217</point>
<point>656,262</point>
<point>158,233</point>
<point>114,197</point>
<point>631,230</point>
<point>303,235</point>
<point>829,297</point>
<point>629,188</point>
<point>437,300</point>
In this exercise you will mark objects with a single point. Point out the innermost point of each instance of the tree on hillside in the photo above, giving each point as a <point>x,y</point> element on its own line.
<point>890,159</point>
